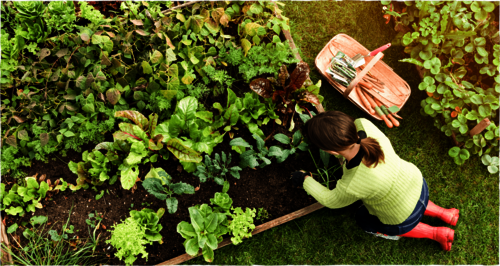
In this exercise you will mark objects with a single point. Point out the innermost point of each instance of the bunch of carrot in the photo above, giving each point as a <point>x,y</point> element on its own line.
<point>375,106</point>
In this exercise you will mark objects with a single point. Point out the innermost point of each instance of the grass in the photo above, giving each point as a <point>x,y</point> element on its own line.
<point>332,236</point>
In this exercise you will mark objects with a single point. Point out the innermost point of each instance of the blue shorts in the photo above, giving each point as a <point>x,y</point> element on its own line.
<point>370,223</point>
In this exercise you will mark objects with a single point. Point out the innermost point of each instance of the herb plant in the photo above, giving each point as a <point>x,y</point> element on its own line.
<point>159,184</point>
<point>217,169</point>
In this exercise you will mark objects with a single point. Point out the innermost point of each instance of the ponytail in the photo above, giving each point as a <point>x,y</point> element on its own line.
<point>373,152</point>
<point>336,131</point>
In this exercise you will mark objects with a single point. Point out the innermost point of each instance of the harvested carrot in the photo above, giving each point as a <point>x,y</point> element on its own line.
<point>365,84</point>
<point>379,112</point>
<point>384,109</point>
<point>365,102</point>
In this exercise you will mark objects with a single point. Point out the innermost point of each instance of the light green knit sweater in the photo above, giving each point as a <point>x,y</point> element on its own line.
<point>389,191</point>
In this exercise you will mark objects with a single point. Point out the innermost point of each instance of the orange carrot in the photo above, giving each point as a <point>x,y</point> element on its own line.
<point>379,112</point>
<point>365,102</point>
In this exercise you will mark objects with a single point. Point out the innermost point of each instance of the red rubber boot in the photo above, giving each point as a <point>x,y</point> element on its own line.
<point>443,235</point>
<point>449,216</point>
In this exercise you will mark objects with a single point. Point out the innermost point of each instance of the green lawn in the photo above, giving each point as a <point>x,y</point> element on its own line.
<point>332,237</point>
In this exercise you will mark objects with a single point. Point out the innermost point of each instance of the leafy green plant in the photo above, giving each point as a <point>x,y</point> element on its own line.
<point>204,232</point>
<point>282,154</point>
<point>325,173</point>
<point>222,199</point>
<point>217,169</point>
<point>130,236</point>
<point>159,183</point>
<point>288,91</point>
<point>248,158</point>
<point>30,18</point>
<point>241,226</point>
<point>491,163</point>
<point>22,199</point>
<point>61,15</point>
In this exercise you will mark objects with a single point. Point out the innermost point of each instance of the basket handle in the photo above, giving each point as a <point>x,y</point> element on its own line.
<point>362,74</point>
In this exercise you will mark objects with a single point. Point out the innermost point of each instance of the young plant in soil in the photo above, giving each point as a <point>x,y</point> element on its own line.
<point>130,236</point>
<point>217,169</point>
<point>249,158</point>
<point>325,173</point>
<point>282,154</point>
<point>159,184</point>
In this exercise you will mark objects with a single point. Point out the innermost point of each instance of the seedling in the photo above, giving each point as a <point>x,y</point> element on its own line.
<point>324,172</point>
<point>262,214</point>
<point>282,154</point>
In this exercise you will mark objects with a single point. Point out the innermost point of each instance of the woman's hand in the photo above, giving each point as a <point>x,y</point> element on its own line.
<point>298,178</point>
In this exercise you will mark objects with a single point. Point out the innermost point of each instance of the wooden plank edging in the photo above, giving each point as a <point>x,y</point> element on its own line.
<point>261,228</point>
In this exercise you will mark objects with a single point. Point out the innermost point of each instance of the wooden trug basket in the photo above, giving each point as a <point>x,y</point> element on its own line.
<point>350,47</point>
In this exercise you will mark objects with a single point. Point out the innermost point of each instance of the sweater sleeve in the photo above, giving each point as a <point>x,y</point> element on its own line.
<point>334,199</point>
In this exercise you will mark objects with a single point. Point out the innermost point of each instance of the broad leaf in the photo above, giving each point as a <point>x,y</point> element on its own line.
<point>262,87</point>
<point>138,118</point>
<point>182,152</point>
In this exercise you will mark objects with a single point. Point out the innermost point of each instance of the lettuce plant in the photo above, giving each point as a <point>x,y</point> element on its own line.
<point>22,199</point>
<point>241,226</point>
<point>248,158</point>
<point>282,154</point>
<point>222,199</point>
<point>217,169</point>
<point>61,15</point>
<point>30,18</point>
<point>130,236</point>
<point>204,232</point>
<point>159,184</point>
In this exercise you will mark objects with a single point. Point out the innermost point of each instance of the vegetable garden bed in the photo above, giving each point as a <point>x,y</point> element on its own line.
<point>266,189</point>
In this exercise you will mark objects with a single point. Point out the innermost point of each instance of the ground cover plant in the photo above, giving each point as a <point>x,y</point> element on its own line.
<point>457,45</point>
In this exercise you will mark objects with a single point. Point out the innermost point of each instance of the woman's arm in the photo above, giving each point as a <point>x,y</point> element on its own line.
<point>334,199</point>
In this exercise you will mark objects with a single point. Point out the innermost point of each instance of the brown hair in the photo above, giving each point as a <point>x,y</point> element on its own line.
<point>335,131</point>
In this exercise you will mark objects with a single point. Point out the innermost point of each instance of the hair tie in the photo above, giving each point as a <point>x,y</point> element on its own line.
<point>361,135</point>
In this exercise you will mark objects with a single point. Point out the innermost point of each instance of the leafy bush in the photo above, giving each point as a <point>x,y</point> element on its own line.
<point>217,169</point>
<point>130,236</point>
<point>456,43</point>
<point>19,197</point>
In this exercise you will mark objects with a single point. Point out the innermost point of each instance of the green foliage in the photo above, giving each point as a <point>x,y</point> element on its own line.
<point>491,163</point>
<point>22,199</point>
<point>88,12</point>
<point>456,50</point>
<point>282,154</point>
<point>250,157</point>
<point>242,224</point>
<point>262,214</point>
<point>61,15</point>
<point>204,232</point>
<point>159,183</point>
<point>130,236</point>
<point>217,169</point>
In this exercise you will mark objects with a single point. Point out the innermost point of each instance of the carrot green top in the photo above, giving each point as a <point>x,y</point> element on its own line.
<point>389,191</point>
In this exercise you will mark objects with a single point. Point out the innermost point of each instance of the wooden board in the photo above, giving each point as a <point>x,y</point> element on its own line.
<point>261,228</point>
<point>382,71</point>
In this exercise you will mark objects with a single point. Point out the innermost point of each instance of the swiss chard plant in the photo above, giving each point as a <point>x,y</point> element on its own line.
<point>289,91</point>
<point>217,169</point>
<point>250,158</point>
<point>204,232</point>
<point>456,44</point>
<point>281,154</point>
<point>159,183</point>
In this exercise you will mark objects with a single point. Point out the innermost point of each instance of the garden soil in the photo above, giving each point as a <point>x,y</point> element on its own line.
<point>269,188</point>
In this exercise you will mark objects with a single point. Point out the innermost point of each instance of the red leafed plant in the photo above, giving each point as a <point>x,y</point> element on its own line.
<point>288,90</point>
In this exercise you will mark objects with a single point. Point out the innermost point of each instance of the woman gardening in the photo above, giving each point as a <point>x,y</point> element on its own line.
<point>394,193</point>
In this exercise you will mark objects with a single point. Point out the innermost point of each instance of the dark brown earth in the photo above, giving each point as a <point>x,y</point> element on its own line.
<point>269,188</point>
